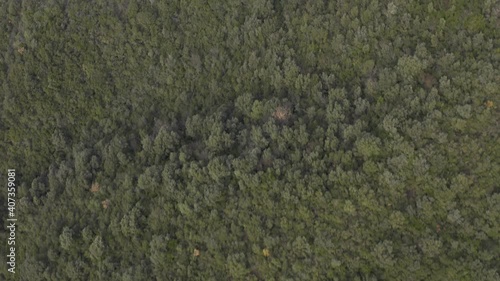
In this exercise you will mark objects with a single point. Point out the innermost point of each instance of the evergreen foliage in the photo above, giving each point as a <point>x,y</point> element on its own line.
<point>255,140</point>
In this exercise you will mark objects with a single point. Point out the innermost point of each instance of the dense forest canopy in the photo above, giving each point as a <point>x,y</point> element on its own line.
<point>252,140</point>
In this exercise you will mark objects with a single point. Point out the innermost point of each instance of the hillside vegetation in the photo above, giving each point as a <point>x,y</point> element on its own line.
<point>251,140</point>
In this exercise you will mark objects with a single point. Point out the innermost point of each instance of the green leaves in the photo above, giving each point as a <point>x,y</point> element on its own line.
<point>410,67</point>
<point>350,140</point>
<point>368,147</point>
<point>66,238</point>
<point>96,249</point>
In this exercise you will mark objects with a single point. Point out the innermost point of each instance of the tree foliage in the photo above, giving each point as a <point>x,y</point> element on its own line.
<point>264,140</point>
